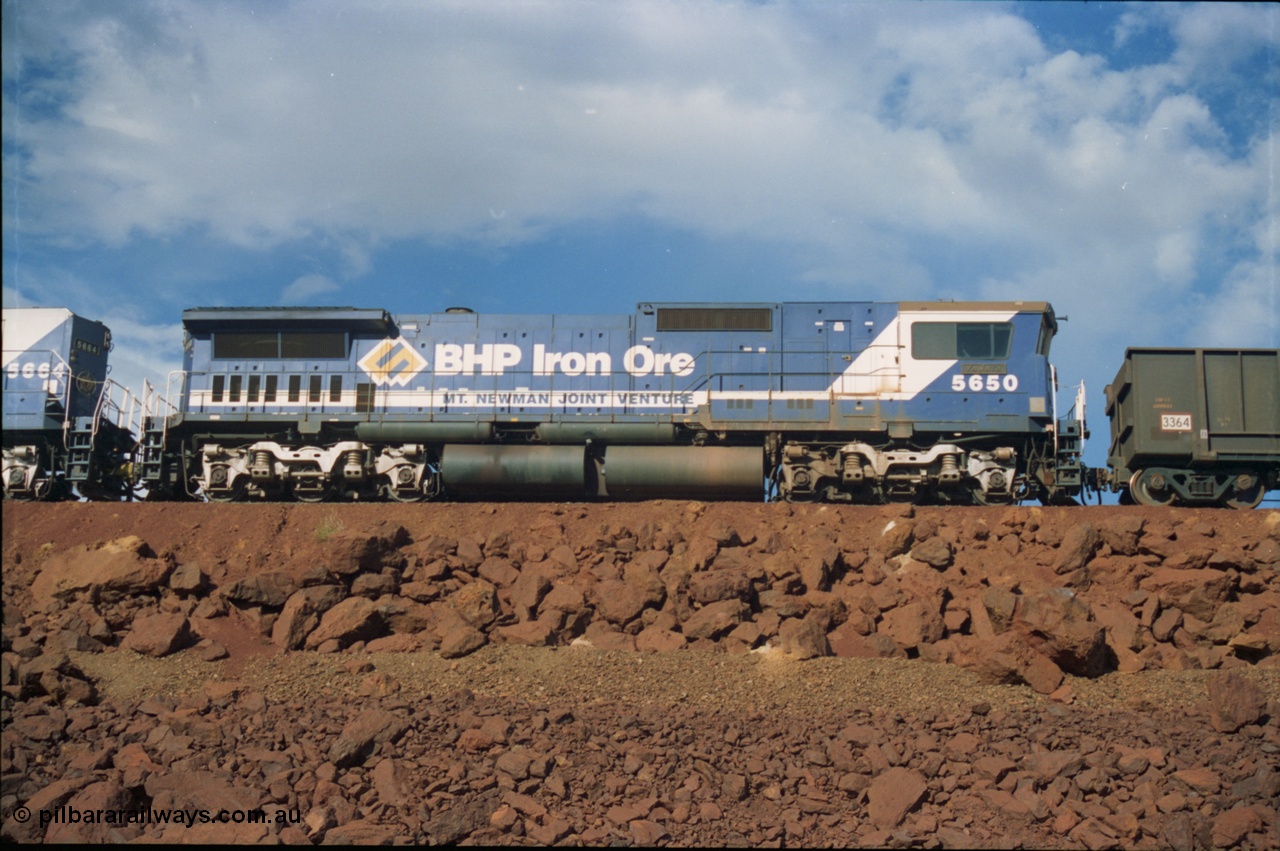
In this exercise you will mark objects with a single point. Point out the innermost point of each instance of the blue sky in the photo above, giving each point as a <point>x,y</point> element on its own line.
<point>579,157</point>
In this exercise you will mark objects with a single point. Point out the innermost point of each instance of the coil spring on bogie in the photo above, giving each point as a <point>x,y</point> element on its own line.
<point>353,464</point>
<point>950,472</point>
<point>261,468</point>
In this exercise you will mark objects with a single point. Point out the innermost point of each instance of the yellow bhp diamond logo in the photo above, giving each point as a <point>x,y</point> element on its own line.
<point>392,362</point>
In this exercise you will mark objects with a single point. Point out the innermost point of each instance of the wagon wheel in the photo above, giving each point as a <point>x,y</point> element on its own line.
<point>1152,489</point>
<point>1248,491</point>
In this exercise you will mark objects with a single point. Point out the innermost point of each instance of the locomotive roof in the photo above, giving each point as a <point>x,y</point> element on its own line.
<point>378,320</point>
<point>1020,306</point>
<point>978,306</point>
<point>221,318</point>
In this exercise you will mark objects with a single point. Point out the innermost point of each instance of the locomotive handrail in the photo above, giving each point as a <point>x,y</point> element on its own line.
<point>153,403</point>
<point>66,378</point>
<point>124,417</point>
<point>893,369</point>
<point>499,393</point>
<point>441,389</point>
<point>168,392</point>
<point>831,377</point>
<point>154,406</point>
<point>1053,400</point>
<point>168,389</point>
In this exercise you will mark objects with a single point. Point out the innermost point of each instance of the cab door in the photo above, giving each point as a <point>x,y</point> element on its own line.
<point>804,393</point>
<point>876,338</point>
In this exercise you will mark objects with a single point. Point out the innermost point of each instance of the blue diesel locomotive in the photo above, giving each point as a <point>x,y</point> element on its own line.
<point>67,428</point>
<point>944,402</point>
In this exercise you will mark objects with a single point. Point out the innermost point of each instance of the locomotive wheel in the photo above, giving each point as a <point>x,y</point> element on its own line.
<point>1151,489</point>
<point>19,495</point>
<point>403,474</point>
<point>981,497</point>
<point>1248,491</point>
<point>219,476</point>
<point>313,494</point>
<point>235,494</point>
<point>308,483</point>
<point>404,495</point>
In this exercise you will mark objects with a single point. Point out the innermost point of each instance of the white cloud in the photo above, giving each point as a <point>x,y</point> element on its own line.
<point>306,288</point>
<point>862,135</point>
<point>1175,257</point>
<point>1246,310</point>
<point>1215,38</point>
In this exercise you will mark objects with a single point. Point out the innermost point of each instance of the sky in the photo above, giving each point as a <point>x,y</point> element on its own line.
<point>575,156</point>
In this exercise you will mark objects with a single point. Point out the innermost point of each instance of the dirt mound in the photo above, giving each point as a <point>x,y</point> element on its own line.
<point>1021,603</point>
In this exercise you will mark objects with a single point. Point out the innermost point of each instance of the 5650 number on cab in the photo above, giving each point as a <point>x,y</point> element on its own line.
<point>980,383</point>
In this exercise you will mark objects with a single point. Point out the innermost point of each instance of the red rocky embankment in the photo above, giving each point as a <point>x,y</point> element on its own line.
<point>1021,594</point>
<point>1033,598</point>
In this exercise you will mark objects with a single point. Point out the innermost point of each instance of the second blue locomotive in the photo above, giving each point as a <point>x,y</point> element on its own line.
<point>68,429</point>
<point>948,402</point>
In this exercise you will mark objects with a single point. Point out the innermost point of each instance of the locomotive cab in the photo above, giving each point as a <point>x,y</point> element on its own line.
<point>946,402</point>
<point>269,398</point>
